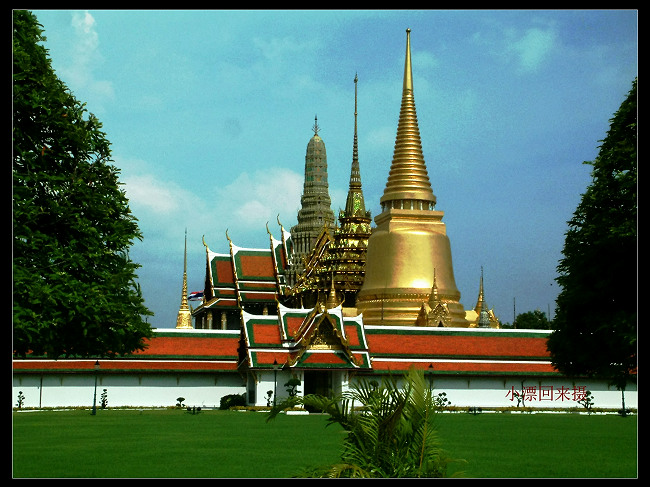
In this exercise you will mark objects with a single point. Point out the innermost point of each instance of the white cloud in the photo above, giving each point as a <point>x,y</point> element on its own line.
<point>159,204</point>
<point>243,207</point>
<point>88,40</point>
<point>527,49</point>
<point>533,48</point>
<point>276,50</point>
<point>78,69</point>
<point>147,192</point>
<point>251,200</point>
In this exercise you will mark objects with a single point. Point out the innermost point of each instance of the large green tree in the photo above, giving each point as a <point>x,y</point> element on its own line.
<point>532,320</point>
<point>75,289</point>
<point>596,316</point>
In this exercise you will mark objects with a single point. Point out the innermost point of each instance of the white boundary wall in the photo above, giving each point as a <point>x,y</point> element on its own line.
<point>206,390</point>
<point>538,392</point>
<point>143,390</point>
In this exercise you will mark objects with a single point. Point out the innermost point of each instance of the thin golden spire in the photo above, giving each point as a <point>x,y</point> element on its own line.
<point>408,72</point>
<point>355,204</point>
<point>184,318</point>
<point>355,175</point>
<point>480,302</point>
<point>434,298</point>
<point>408,185</point>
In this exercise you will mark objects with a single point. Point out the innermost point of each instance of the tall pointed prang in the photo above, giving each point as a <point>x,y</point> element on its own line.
<point>315,213</point>
<point>408,185</point>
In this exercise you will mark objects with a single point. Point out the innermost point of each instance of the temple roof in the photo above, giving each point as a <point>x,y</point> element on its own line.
<point>246,275</point>
<point>169,350</point>
<point>312,338</point>
<point>305,338</point>
<point>457,351</point>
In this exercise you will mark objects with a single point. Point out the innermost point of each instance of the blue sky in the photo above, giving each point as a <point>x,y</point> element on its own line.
<point>209,114</point>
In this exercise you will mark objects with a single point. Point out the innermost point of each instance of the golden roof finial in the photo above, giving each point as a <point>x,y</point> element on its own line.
<point>408,72</point>
<point>184,318</point>
<point>408,182</point>
<point>332,300</point>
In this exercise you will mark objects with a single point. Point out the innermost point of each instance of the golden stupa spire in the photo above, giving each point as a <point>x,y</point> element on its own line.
<point>184,318</point>
<point>408,185</point>
<point>408,259</point>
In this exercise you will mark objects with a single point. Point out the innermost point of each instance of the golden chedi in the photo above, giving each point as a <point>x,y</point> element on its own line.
<point>409,244</point>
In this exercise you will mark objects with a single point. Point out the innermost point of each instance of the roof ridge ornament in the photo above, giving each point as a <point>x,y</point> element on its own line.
<point>316,128</point>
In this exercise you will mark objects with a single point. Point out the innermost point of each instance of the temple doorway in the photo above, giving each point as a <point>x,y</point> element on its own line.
<point>318,382</point>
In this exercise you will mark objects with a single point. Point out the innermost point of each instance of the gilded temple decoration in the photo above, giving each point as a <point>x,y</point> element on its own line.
<point>336,264</point>
<point>482,316</point>
<point>184,318</point>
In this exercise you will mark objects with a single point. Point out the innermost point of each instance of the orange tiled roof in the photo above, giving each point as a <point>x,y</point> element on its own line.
<point>166,351</point>
<point>395,341</point>
<point>374,348</point>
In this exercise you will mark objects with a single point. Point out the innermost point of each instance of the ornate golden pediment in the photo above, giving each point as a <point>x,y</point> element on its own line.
<point>324,337</point>
<point>322,334</point>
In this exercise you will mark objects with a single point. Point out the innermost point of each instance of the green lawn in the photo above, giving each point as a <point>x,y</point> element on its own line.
<point>173,443</point>
<point>541,445</point>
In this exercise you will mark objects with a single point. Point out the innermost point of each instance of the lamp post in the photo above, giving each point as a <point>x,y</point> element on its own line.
<point>94,411</point>
<point>275,381</point>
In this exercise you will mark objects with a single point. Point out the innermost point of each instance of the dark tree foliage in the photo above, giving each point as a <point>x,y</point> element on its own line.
<point>532,320</point>
<point>596,317</point>
<point>75,290</point>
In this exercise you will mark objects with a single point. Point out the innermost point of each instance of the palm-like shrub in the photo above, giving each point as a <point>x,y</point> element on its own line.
<point>390,429</point>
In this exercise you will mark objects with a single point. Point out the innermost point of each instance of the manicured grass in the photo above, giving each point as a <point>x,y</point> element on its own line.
<point>541,445</point>
<point>169,443</point>
<point>173,443</point>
